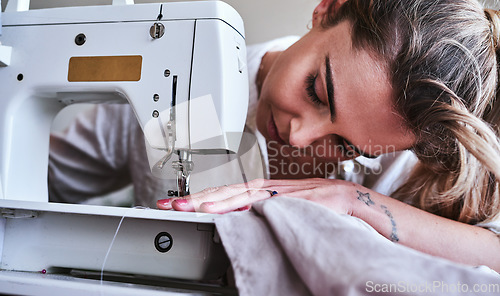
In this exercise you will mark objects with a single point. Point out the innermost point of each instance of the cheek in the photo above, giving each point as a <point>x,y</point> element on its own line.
<point>274,91</point>
<point>284,85</point>
<point>285,100</point>
<point>262,116</point>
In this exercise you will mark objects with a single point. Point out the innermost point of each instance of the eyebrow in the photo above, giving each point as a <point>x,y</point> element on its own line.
<point>330,91</point>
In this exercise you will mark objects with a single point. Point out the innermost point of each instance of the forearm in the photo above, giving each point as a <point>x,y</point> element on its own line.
<point>426,232</point>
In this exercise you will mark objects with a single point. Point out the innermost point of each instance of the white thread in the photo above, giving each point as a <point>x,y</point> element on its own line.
<point>109,248</point>
<point>113,241</point>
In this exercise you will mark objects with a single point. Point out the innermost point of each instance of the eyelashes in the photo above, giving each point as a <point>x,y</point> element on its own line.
<point>311,91</point>
<point>343,145</point>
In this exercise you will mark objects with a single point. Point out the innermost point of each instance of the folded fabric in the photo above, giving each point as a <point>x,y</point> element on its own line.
<point>290,246</point>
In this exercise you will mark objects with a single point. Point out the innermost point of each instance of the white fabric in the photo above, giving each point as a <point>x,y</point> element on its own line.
<point>289,246</point>
<point>493,226</point>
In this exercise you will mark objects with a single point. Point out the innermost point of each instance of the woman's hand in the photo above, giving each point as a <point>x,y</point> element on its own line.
<point>393,219</point>
<point>334,194</point>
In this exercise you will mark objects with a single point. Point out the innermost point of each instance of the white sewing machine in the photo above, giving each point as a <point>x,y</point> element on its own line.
<point>175,63</point>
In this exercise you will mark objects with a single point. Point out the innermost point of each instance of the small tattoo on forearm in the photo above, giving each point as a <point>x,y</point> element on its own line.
<point>394,234</point>
<point>365,197</point>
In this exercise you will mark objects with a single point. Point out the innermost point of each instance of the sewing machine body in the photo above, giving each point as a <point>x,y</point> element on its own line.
<point>199,57</point>
<point>202,52</point>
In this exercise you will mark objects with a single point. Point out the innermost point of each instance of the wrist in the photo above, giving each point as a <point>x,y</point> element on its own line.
<point>350,200</point>
<point>353,203</point>
<point>371,207</point>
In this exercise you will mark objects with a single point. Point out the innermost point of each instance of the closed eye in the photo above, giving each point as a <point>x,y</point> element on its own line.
<point>311,91</point>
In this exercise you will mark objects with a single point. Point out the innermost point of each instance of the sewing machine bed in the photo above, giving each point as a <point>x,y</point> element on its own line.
<point>50,237</point>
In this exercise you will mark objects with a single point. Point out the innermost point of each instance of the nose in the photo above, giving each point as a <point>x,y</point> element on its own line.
<point>304,132</point>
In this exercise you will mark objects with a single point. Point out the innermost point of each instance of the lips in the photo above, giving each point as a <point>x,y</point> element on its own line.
<point>273,131</point>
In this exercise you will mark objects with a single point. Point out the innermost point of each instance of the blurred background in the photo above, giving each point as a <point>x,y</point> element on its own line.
<point>264,19</point>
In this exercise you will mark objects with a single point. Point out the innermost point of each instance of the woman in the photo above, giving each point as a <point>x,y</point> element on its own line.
<point>372,77</point>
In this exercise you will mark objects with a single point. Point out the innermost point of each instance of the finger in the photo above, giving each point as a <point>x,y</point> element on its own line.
<point>192,202</point>
<point>245,208</point>
<point>185,205</point>
<point>242,201</point>
<point>165,204</point>
<point>223,192</point>
<point>217,193</point>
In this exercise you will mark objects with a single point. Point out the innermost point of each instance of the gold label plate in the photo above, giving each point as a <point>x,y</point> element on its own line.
<point>105,68</point>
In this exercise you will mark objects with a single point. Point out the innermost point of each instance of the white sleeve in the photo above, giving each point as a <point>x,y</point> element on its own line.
<point>493,226</point>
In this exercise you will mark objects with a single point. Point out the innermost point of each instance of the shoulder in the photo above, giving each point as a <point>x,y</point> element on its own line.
<point>256,51</point>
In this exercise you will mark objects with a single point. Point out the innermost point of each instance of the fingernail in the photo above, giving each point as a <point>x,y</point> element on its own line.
<point>209,204</point>
<point>181,202</point>
<point>165,202</point>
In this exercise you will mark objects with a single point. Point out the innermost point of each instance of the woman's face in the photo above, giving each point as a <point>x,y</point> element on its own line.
<point>323,95</point>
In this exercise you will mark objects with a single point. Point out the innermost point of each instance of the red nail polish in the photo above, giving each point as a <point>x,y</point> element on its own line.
<point>165,201</point>
<point>181,202</point>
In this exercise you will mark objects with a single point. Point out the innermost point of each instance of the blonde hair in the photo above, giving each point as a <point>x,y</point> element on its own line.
<point>443,61</point>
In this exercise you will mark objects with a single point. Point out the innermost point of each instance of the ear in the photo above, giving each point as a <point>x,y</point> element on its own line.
<point>323,9</point>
